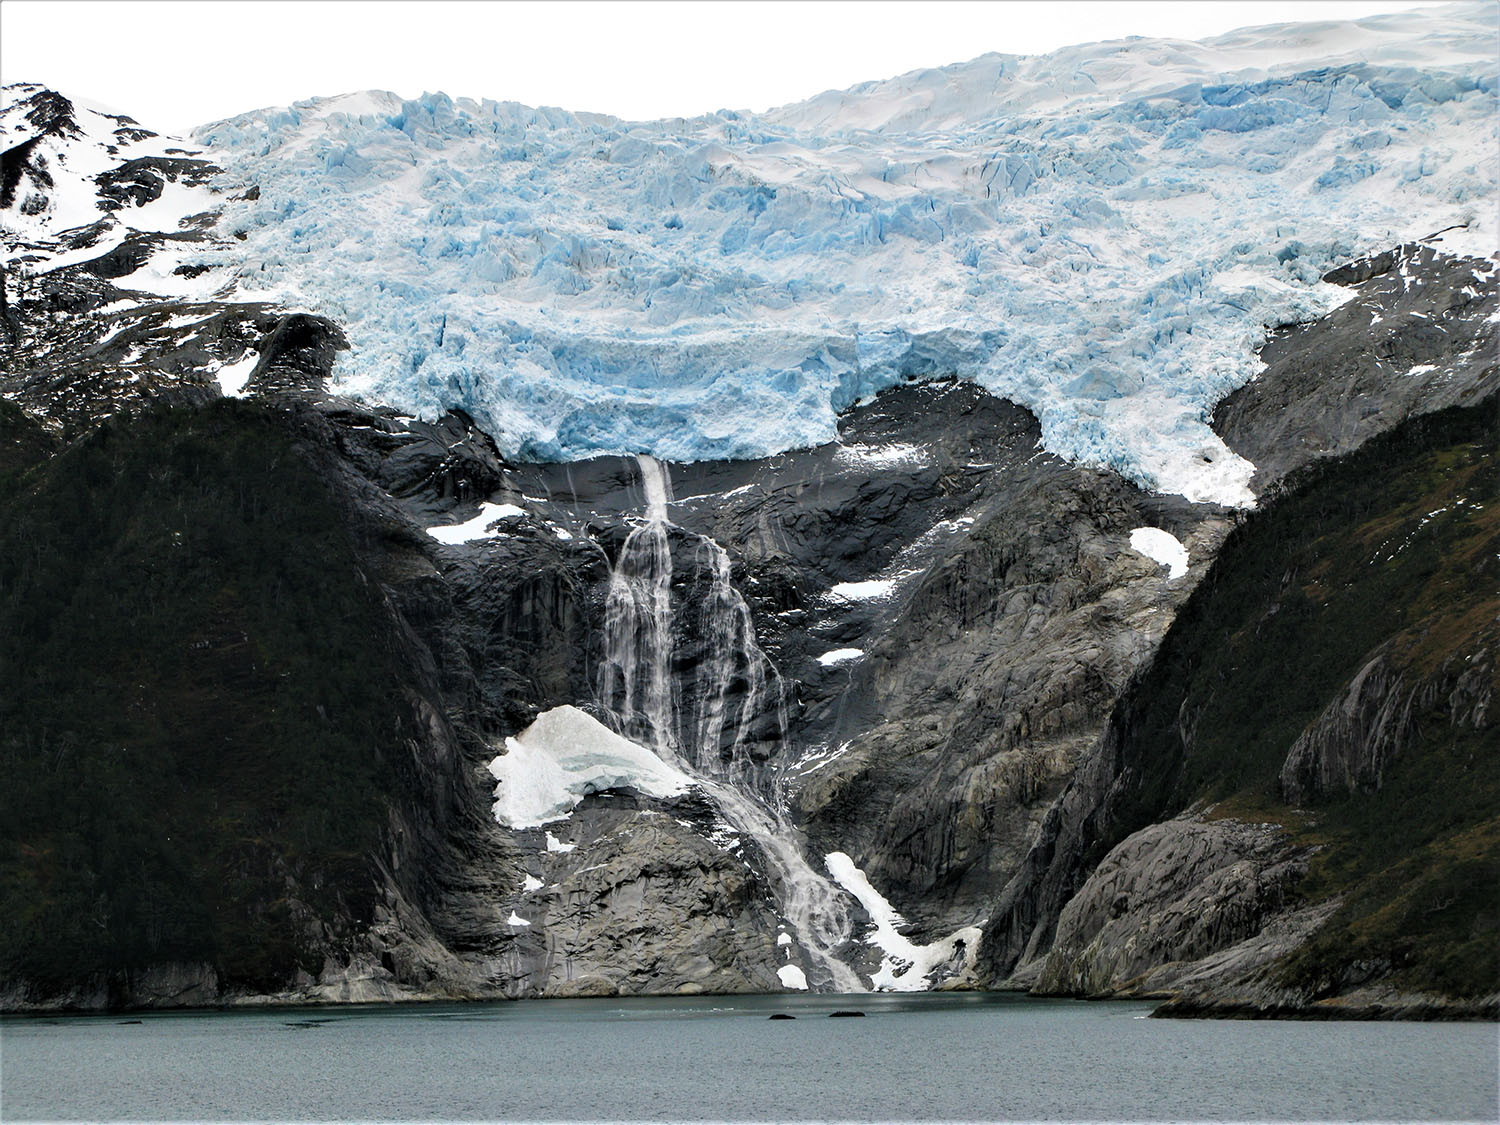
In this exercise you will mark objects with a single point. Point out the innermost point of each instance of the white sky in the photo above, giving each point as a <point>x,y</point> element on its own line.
<point>175,65</point>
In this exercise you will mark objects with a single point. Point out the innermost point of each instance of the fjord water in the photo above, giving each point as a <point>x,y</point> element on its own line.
<point>913,1057</point>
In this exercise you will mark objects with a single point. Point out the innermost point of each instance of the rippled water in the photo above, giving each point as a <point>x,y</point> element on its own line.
<point>949,1056</point>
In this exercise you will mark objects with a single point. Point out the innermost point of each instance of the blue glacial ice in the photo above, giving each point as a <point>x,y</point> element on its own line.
<point>1103,234</point>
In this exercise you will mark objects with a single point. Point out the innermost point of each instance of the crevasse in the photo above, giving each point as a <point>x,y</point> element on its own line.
<point>1102,234</point>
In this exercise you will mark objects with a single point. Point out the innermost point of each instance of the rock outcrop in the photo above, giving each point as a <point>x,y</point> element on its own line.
<point>1346,748</point>
<point>1418,334</point>
<point>1381,727</point>
<point>1169,903</point>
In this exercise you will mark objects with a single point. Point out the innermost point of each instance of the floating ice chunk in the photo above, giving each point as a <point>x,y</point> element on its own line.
<point>839,655</point>
<point>792,977</point>
<point>232,377</point>
<point>564,756</point>
<point>531,883</point>
<point>906,965</point>
<point>1163,547</point>
<point>556,845</point>
<point>865,591</point>
<point>476,528</point>
<point>516,920</point>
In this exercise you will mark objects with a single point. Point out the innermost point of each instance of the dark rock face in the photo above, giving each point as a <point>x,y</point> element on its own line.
<point>1417,335</point>
<point>1347,748</point>
<point>296,355</point>
<point>140,181</point>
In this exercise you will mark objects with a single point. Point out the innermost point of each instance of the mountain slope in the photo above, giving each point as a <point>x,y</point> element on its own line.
<point>887,680</point>
<point>1373,749</point>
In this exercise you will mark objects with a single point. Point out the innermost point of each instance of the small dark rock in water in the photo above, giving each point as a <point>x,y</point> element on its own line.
<point>843,1012</point>
<point>782,1016</point>
<point>306,1023</point>
<point>127,1023</point>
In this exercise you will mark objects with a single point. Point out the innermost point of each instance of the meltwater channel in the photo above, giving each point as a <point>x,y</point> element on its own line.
<point>986,1057</point>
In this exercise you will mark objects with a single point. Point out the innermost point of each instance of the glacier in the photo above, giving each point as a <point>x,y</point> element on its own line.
<point>1104,234</point>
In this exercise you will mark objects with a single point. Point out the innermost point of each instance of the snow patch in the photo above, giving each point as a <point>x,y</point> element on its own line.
<point>562,757</point>
<point>232,377</point>
<point>880,456</point>
<point>531,883</point>
<point>516,920</point>
<point>557,846</point>
<point>865,591</point>
<point>476,528</point>
<point>840,655</point>
<point>1163,547</point>
<point>792,977</point>
<point>906,965</point>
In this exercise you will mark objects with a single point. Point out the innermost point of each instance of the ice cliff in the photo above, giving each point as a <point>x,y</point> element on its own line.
<point>1103,234</point>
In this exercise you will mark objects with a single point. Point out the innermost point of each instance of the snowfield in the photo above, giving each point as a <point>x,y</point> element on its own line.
<point>562,757</point>
<point>58,221</point>
<point>1102,234</point>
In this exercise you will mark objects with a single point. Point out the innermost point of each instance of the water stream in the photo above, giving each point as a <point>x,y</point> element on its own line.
<point>718,734</point>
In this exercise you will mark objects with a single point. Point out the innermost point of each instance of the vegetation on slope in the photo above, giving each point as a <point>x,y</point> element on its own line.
<point>199,698</point>
<point>1397,544</point>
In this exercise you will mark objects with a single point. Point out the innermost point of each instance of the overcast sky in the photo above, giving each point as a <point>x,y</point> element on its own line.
<point>174,65</point>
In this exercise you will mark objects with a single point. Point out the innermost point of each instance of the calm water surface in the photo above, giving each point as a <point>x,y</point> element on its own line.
<point>954,1057</point>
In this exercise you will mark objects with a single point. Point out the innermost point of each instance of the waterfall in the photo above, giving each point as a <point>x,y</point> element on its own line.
<point>735,691</point>
<point>635,677</point>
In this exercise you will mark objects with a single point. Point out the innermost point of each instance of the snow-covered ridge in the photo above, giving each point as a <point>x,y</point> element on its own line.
<point>1102,234</point>
<point>82,182</point>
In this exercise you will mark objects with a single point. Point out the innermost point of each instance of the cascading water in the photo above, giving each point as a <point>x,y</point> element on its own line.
<point>734,691</point>
<point>635,678</point>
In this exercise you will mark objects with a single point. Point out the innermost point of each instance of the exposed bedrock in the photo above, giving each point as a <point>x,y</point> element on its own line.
<point>646,903</point>
<point>1176,901</point>
<point>1417,334</point>
<point>979,692</point>
<point>1347,748</point>
<point>1381,728</point>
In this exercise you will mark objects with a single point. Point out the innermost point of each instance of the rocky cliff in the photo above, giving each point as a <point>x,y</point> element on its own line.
<point>1331,814</point>
<point>268,649</point>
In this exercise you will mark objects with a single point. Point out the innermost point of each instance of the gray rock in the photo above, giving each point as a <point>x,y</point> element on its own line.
<point>1346,749</point>
<point>1165,900</point>
<point>1418,335</point>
